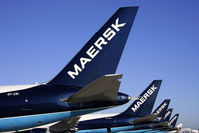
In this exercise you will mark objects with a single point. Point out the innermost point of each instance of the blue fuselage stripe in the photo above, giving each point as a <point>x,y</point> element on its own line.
<point>23,122</point>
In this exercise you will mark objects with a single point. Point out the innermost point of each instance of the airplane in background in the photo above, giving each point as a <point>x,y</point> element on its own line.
<point>161,109</point>
<point>137,114</point>
<point>163,125</point>
<point>164,120</point>
<point>173,121</point>
<point>147,126</point>
<point>74,124</point>
<point>170,126</point>
<point>88,83</point>
<point>159,124</point>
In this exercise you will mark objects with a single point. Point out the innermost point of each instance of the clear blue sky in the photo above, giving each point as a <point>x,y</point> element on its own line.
<point>38,37</point>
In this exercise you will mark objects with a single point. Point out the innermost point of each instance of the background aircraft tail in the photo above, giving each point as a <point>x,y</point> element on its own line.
<point>144,104</point>
<point>101,54</point>
<point>173,121</point>
<point>167,115</point>
<point>162,108</point>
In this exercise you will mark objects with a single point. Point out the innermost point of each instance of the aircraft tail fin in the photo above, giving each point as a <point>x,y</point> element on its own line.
<point>144,104</point>
<point>167,115</point>
<point>162,108</point>
<point>101,54</point>
<point>173,121</point>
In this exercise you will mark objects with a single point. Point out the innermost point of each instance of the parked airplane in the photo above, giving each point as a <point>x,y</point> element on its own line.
<point>164,126</point>
<point>147,126</point>
<point>163,115</point>
<point>86,84</point>
<point>164,120</point>
<point>172,123</point>
<point>170,127</point>
<point>71,123</point>
<point>159,124</point>
<point>138,113</point>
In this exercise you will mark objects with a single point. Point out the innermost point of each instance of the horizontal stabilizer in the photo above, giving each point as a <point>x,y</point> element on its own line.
<point>145,119</point>
<point>162,124</point>
<point>65,125</point>
<point>104,88</point>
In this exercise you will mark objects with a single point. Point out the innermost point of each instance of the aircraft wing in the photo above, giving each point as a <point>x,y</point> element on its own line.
<point>104,88</point>
<point>64,125</point>
<point>145,119</point>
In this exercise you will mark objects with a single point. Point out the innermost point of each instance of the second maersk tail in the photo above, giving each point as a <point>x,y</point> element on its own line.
<point>101,54</point>
<point>144,104</point>
<point>159,112</point>
<point>137,114</point>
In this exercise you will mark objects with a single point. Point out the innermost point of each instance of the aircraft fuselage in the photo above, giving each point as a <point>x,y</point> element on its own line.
<point>35,106</point>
